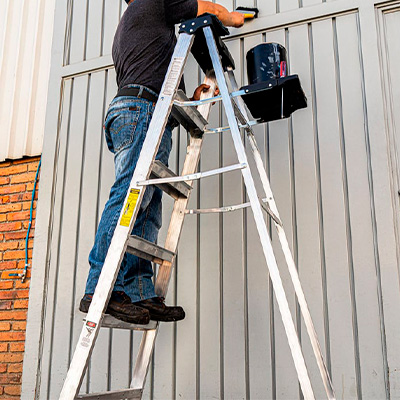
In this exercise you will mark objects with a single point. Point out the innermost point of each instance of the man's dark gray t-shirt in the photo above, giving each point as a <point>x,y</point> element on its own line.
<point>145,40</point>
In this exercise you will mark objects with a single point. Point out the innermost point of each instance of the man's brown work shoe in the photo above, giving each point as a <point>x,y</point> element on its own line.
<point>120,307</point>
<point>159,311</point>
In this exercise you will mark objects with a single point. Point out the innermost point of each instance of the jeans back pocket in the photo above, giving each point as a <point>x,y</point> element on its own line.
<point>120,127</point>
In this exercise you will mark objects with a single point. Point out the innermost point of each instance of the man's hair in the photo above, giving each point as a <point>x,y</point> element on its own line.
<point>127,1</point>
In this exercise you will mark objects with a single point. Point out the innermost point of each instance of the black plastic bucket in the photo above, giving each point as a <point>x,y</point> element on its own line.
<point>266,61</point>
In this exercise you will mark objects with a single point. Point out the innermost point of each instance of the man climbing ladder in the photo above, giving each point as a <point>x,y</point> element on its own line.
<point>142,50</point>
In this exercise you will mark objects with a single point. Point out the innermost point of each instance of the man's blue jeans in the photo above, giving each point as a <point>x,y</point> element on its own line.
<point>125,127</point>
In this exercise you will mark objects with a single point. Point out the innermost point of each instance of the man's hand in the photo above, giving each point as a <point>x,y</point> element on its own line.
<point>202,89</point>
<point>234,18</point>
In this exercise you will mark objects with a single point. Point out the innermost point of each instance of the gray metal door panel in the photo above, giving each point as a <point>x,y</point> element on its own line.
<point>330,175</point>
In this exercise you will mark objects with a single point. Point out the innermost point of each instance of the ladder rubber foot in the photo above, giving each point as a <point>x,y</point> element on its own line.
<point>110,322</point>
<point>113,395</point>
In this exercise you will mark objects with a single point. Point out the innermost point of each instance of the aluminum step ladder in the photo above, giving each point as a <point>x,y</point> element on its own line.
<point>202,36</point>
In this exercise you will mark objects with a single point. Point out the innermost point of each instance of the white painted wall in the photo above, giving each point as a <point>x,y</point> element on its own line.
<point>26,30</point>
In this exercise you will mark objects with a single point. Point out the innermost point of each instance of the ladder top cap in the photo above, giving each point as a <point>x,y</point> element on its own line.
<point>193,25</point>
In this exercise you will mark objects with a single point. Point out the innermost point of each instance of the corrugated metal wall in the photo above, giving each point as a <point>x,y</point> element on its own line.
<point>25,50</point>
<point>334,172</point>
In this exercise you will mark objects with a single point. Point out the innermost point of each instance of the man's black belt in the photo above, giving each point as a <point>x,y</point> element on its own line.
<point>141,93</point>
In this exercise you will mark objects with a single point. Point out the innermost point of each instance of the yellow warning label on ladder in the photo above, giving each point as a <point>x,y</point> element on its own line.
<point>130,207</point>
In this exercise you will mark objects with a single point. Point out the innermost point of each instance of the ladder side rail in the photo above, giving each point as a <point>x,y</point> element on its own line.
<point>122,231</point>
<point>173,235</point>
<point>243,118</point>
<point>288,323</point>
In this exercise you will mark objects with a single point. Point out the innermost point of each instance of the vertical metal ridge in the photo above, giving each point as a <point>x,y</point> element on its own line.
<point>270,288</point>
<point>152,372</point>
<point>300,3</point>
<point>86,30</point>
<point>390,124</point>
<point>43,310</point>
<point>278,6</point>
<point>317,158</point>
<point>198,260</point>
<point>373,215</point>
<point>100,167</point>
<point>221,264</point>
<point>292,171</point>
<point>68,30</point>
<point>131,358</point>
<point>102,28</point>
<point>57,267</point>
<point>245,258</point>
<point>78,221</point>
<point>109,361</point>
<point>347,217</point>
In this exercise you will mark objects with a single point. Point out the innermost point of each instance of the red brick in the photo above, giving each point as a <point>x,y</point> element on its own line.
<point>13,189</point>
<point>5,164</point>
<point>6,326</point>
<point>11,226</point>
<point>19,216</point>
<point>9,246</point>
<point>3,347</point>
<point>22,285</point>
<point>18,235</point>
<point>14,294</point>
<point>10,207</point>
<point>4,180</point>
<point>11,357</point>
<point>3,217</point>
<point>1,236</point>
<point>12,390</point>
<point>23,178</point>
<point>17,347</point>
<point>19,326</point>
<point>25,224</point>
<point>2,391</point>
<point>12,315</point>
<point>10,378</point>
<point>21,304</point>
<point>6,285</point>
<point>33,166</point>
<point>15,367</point>
<point>16,254</point>
<point>12,336</point>
<point>27,205</point>
<point>5,305</point>
<point>26,160</point>
<point>3,368</point>
<point>13,169</point>
<point>4,199</point>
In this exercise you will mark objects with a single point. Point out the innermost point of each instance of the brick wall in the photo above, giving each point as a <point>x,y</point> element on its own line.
<point>16,185</point>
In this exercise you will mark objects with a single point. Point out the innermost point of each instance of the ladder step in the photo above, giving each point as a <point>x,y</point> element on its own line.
<point>189,117</point>
<point>148,250</point>
<point>113,395</point>
<point>110,322</point>
<point>175,189</point>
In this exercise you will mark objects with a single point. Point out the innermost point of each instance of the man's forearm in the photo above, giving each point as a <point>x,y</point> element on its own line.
<point>226,17</point>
